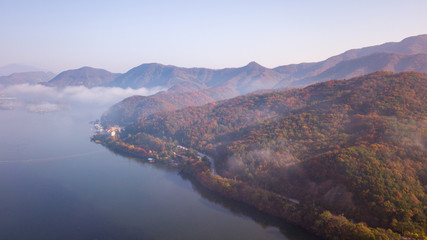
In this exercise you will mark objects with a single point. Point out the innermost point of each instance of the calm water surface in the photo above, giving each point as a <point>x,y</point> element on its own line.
<point>56,184</point>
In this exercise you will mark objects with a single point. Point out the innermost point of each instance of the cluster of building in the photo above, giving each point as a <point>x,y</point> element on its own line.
<point>110,130</point>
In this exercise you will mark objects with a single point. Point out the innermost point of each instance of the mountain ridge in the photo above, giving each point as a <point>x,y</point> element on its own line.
<point>253,76</point>
<point>248,78</point>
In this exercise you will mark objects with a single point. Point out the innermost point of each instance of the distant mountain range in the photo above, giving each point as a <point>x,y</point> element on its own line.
<point>244,80</point>
<point>26,77</point>
<point>18,68</point>
<point>408,55</point>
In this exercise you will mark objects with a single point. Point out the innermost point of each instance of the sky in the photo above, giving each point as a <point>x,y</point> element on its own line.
<point>120,35</point>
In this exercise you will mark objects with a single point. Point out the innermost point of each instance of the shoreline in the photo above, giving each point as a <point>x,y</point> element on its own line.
<point>321,223</point>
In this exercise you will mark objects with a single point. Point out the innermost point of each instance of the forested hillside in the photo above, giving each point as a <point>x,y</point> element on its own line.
<point>354,147</point>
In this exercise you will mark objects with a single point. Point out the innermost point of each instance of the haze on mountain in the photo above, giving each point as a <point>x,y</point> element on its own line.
<point>136,107</point>
<point>18,68</point>
<point>26,78</point>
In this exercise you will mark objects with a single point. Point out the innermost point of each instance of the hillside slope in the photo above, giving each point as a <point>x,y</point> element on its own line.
<point>355,147</point>
<point>133,108</point>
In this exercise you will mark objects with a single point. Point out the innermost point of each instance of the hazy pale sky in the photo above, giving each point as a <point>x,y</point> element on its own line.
<point>119,35</point>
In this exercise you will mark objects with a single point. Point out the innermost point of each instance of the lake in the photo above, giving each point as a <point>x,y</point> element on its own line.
<point>56,184</point>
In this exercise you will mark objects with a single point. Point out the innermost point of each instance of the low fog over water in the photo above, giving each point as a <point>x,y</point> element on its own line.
<point>38,98</point>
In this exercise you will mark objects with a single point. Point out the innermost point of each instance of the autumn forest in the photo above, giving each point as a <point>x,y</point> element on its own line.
<point>348,151</point>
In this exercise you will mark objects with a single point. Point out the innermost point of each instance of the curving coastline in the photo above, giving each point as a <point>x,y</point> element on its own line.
<point>198,166</point>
